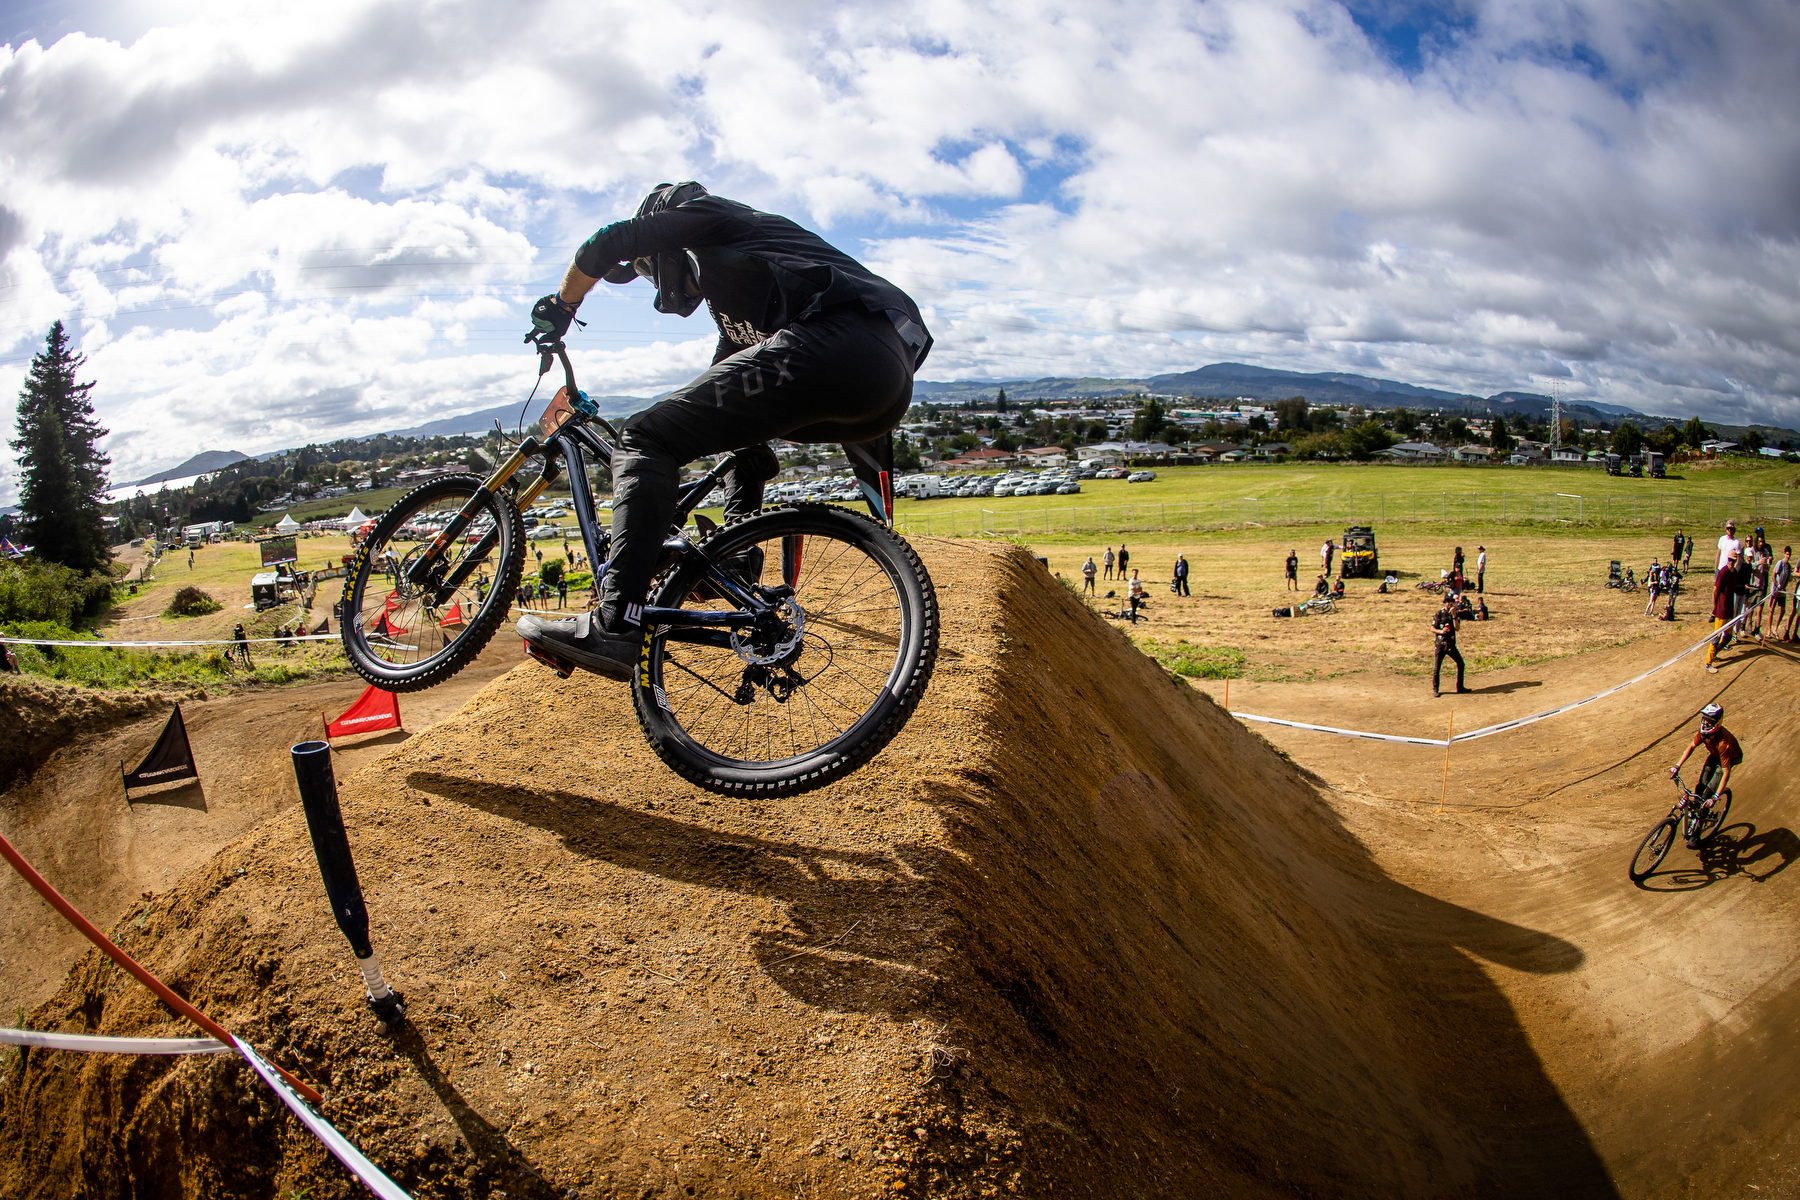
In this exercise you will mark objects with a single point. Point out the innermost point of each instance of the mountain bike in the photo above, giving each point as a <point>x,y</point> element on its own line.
<point>1691,817</point>
<point>744,685</point>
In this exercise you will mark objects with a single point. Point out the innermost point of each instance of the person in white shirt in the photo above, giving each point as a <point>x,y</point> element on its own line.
<point>1728,545</point>
<point>1136,594</point>
<point>1480,568</point>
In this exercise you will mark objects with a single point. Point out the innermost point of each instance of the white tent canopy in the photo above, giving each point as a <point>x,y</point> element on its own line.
<point>287,522</point>
<point>355,518</point>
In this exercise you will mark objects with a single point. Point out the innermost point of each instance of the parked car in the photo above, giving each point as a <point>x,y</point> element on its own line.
<point>1140,477</point>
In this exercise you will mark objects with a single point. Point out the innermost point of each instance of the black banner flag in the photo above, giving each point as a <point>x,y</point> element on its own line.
<point>170,759</point>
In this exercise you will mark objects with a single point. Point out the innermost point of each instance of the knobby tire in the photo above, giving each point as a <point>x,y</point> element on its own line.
<point>871,629</point>
<point>505,562</point>
<point>1653,849</point>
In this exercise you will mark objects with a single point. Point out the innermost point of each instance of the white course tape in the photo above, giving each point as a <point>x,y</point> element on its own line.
<point>94,1044</point>
<point>1504,726</point>
<point>26,641</point>
<point>342,1150</point>
<point>352,1158</point>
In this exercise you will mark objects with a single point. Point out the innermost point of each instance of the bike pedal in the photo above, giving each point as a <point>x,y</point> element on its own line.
<point>562,666</point>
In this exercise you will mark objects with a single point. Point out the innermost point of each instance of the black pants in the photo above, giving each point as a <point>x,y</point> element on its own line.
<point>1181,584</point>
<point>1709,777</point>
<point>1450,652</point>
<point>1480,576</point>
<point>843,375</point>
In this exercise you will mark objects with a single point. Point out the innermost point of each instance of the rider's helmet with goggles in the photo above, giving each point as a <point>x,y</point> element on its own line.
<point>670,270</point>
<point>1710,716</point>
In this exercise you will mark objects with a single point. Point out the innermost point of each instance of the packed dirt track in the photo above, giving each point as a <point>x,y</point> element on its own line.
<point>1076,932</point>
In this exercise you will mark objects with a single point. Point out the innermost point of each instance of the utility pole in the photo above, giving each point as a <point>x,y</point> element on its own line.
<point>1555,414</point>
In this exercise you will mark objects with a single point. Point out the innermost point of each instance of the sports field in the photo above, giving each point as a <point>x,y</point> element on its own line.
<point>1248,495</point>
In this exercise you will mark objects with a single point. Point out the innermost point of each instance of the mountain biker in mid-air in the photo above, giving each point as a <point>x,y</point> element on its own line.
<point>1723,752</point>
<point>813,346</point>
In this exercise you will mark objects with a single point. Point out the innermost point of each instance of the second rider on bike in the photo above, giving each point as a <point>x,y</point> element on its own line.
<point>813,347</point>
<point>1723,752</point>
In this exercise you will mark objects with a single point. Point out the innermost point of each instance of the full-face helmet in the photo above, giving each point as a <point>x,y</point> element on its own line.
<point>1710,716</point>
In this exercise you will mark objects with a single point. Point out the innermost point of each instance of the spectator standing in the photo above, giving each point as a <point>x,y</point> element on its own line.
<point>562,591</point>
<point>190,560</point>
<point>1480,569</point>
<point>1293,571</point>
<point>1761,559</point>
<point>524,595</point>
<point>1724,593</point>
<point>1181,574</point>
<point>1780,577</point>
<point>1088,570</point>
<point>1107,558</point>
<point>1728,545</point>
<point>1443,627</point>
<point>1456,565</point>
<point>1325,554</point>
<point>1677,547</point>
<point>1135,593</point>
<point>1124,559</point>
<point>243,643</point>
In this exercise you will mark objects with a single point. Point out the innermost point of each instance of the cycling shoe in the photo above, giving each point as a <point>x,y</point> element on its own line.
<point>580,640</point>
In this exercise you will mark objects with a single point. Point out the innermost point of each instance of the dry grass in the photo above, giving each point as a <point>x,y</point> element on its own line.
<point>1547,595</point>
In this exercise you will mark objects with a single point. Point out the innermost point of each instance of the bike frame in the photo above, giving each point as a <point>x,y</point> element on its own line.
<point>564,431</point>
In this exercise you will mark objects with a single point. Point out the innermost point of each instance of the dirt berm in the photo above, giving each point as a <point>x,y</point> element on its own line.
<point>1075,933</point>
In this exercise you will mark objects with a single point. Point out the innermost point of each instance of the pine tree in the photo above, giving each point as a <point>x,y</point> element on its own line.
<point>1501,439</point>
<point>63,471</point>
<point>1000,401</point>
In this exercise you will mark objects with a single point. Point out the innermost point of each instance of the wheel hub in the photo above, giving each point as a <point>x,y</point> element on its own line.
<point>774,640</point>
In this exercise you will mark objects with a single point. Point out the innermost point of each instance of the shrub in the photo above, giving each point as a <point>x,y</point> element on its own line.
<point>190,601</point>
<point>35,591</point>
<point>1200,662</point>
<point>551,572</point>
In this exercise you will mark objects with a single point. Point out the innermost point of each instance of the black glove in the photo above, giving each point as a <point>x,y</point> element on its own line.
<point>550,319</point>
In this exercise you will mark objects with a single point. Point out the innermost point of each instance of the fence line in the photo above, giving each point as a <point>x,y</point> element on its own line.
<point>1700,512</point>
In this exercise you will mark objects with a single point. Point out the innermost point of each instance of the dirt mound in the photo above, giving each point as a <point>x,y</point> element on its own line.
<point>71,818</point>
<point>1075,932</point>
<point>36,717</point>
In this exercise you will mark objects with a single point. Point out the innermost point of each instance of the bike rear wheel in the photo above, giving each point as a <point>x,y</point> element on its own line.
<point>403,635</point>
<point>821,689</point>
<point>1652,849</point>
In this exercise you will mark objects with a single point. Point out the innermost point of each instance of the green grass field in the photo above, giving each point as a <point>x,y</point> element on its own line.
<point>1698,494</point>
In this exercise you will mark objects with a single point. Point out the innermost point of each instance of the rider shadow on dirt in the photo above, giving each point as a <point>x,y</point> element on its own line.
<point>850,906</point>
<point>1736,850</point>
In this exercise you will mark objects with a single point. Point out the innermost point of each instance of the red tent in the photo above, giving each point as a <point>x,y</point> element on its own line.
<point>373,710</point>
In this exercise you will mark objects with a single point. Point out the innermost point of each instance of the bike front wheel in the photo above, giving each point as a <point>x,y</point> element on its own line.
<point>406,629</point>
<point>1652,849</point>
<point>821,686</point>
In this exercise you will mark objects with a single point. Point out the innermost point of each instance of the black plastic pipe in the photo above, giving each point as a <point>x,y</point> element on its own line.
<point>331,846</point>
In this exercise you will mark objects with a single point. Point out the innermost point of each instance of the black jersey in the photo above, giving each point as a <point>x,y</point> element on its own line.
<point>758,272</point>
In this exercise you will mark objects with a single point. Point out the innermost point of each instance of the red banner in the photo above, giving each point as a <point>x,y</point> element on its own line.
<point>373,710</point>
<point>453,616</point>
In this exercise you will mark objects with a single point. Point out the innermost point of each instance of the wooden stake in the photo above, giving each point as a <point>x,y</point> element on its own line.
<point>1228,694</point>
<point>1448,734</point>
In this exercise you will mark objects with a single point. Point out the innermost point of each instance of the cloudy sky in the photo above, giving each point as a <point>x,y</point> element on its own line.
<point>275,223</point>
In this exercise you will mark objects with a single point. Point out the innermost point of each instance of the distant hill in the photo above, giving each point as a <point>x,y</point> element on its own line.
<point>508,416</point>
<point>200,464</point>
